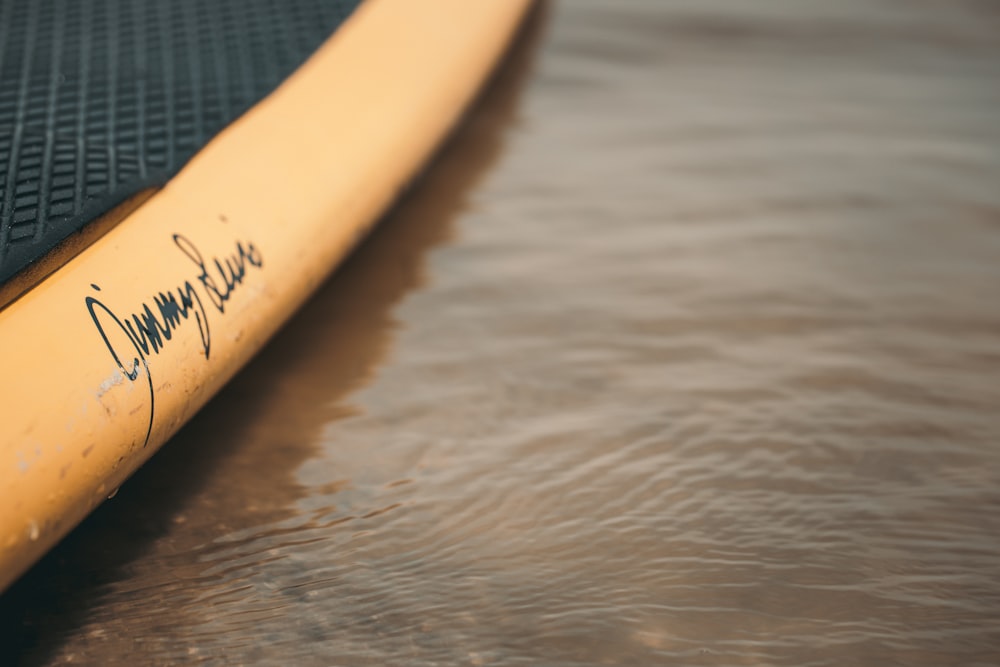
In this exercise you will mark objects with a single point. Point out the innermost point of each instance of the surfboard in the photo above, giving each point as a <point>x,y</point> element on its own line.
<point>176,179</point>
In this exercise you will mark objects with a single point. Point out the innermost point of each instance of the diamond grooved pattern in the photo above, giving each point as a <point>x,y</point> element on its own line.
<point>100,99</point>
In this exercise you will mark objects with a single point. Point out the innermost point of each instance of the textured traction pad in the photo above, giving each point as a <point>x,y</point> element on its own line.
<point>101,99</point>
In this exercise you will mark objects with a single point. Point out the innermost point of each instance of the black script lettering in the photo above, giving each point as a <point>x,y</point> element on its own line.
<point>172,312</point>
<point>132,371</point>
<point>150,328</point>
<point>220,277</point>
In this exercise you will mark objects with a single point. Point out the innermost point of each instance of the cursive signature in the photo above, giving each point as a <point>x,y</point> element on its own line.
<point>151,327</point>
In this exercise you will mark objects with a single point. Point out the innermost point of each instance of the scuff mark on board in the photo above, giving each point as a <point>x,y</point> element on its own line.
<point>116,378</point>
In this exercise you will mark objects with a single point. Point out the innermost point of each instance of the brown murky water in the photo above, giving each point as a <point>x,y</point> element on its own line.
<point>685,351</point>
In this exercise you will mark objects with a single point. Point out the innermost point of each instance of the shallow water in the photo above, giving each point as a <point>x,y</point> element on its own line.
<point>686,350</point>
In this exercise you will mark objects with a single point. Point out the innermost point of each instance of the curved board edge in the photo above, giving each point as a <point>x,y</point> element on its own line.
<point>107,357</point>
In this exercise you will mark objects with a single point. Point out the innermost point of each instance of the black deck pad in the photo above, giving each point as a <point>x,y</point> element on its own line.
<point>100,99</point>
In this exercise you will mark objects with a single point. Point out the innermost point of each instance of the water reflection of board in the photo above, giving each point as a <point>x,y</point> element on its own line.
<point>124,327</point>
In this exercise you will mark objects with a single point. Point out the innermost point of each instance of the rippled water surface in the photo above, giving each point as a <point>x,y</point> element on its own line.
<point>686,350</point>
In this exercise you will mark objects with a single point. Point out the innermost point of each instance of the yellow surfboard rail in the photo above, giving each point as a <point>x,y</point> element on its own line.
<point>108,356</point>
